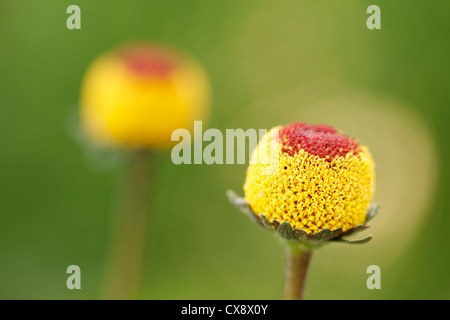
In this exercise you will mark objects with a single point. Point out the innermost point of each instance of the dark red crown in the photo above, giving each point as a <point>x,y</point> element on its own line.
<point>320,140</point>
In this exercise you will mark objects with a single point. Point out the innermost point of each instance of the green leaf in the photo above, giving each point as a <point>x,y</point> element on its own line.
<point>301,234</point>
<point>355,230</point>
<point>265,222</point>
<point>242,205</point>
<point>285,231</point>
<point>372,212</point>
<point>360,241</point>
<point>322,235</point>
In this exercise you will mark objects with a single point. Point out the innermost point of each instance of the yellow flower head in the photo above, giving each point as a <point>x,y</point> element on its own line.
<point>312,176</point>
<point>135,96</point>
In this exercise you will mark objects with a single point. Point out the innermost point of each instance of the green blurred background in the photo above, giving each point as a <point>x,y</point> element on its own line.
<point>270,63</point>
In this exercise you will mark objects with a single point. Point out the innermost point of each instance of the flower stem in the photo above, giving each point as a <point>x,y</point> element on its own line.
<point>125,265</point>
<point>297,262</point>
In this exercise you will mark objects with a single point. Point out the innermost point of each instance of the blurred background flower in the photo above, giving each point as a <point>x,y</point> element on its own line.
<point>132,99</point>
<point>269,62</point>
<point>135,96</point>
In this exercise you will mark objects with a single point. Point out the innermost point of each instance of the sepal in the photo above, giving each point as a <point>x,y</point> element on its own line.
<point>285,230</point>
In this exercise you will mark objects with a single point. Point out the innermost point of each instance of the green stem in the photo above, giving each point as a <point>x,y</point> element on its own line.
<point>125,266</point>
<point>297,262</point>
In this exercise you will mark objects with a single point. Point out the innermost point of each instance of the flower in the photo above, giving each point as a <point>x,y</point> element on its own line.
<point>137,95</point>
<point>312,177</point>
<point>312,184</point>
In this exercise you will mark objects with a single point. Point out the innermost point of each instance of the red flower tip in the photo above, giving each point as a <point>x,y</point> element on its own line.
<point>148,60</point>
<point>321,140</point>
